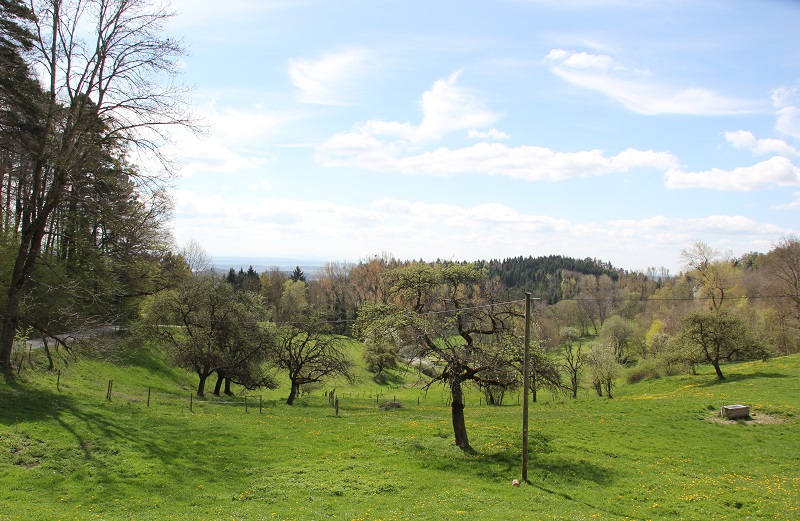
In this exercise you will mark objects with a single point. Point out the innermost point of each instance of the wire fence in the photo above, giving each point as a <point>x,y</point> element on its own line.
<point>158,396</point>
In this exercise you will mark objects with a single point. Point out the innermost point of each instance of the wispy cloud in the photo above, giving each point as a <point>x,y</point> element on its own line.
<point>492,134</point>
<point>787,115</point>
<point>637,91</point>
<point>235,137</point>
<point>330,79</point>
<point>790,205</point>
<point>776,171</point>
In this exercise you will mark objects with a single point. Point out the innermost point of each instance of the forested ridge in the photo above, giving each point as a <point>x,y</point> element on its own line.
<point>541,276</point>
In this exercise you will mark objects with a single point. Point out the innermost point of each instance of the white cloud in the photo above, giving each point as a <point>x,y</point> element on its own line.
<point>492,133</point>
<point>331,79</point>
<point>245,126</point>
<point>210,155</point>
<point>583,60</point>
<point>233,132</point>
<point>446,107</point>
<point>746,140</point>
<point>412,229</point>
<point>776,171</point>
<point>790,205</point>
<point>389,146</point>
<point>530,163</point>
<point>627,86</point>
<point>787,121</point>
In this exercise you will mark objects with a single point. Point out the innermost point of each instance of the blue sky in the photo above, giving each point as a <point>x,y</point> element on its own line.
<point>614,129</point>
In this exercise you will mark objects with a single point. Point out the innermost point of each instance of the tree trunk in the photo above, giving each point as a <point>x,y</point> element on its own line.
<point>228,387</point>
<point>715,363</point>
<point>293,393</point>
<point>457,410</point>
<point>218,385</point>
<point>201,387</point>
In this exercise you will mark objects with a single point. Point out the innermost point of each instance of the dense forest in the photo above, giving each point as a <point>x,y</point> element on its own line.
<point>542,275</point>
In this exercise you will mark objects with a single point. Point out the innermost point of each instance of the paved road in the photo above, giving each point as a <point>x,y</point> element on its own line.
<point>35,343</point>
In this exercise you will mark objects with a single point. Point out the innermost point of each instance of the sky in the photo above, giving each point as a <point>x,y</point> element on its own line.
<point>621,130</point>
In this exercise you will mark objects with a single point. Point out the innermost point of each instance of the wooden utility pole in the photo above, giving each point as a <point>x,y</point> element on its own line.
<point>525,371</point>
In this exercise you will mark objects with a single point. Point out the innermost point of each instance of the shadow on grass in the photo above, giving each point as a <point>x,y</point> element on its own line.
<point>494,465</point>
<point>387,378</point>
<point>730,378</point>
<point>76,439</point>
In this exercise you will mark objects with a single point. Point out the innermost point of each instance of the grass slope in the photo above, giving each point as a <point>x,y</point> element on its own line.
<point>653,452</point>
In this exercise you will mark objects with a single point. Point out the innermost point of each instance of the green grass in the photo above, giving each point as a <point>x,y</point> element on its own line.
<point>653,452</point>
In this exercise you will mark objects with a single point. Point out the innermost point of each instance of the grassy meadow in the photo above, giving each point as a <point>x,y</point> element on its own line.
<point>655,451</point>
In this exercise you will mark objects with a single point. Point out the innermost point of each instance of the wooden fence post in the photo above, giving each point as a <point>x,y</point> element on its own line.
<point>108,393</point>
<point>148,397</point>
<point>58,381</point>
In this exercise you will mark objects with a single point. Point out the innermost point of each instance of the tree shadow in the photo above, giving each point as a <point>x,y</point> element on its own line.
<point>99,437</point>
<point>387,377</point>
<point>500,464</point>
<point>741,378</point>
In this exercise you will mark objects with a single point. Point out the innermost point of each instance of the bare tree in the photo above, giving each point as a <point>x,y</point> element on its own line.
<point>574,358</point>
<point>714,272</point>
<point>784,268</point>
<point>604,368</point>
<point>108,74</point>
<point>196,257</point>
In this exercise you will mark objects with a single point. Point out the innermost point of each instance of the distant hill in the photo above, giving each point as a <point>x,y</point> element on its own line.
<point>261,264</point>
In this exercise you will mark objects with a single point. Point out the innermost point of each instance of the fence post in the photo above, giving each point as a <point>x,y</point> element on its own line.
<point>108,393</point>
<point>337,406</point>
<point>190,402</point>
<point>148,397</point>
<point>58,381</point>
<point>245,404</point>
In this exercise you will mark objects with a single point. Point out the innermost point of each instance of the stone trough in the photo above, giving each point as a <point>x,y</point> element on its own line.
<point>734,412</point>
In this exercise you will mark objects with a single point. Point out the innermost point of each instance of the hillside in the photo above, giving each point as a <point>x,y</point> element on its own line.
<point>657,451</point>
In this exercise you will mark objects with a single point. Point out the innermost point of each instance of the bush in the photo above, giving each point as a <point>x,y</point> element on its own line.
<point>645,369</point>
